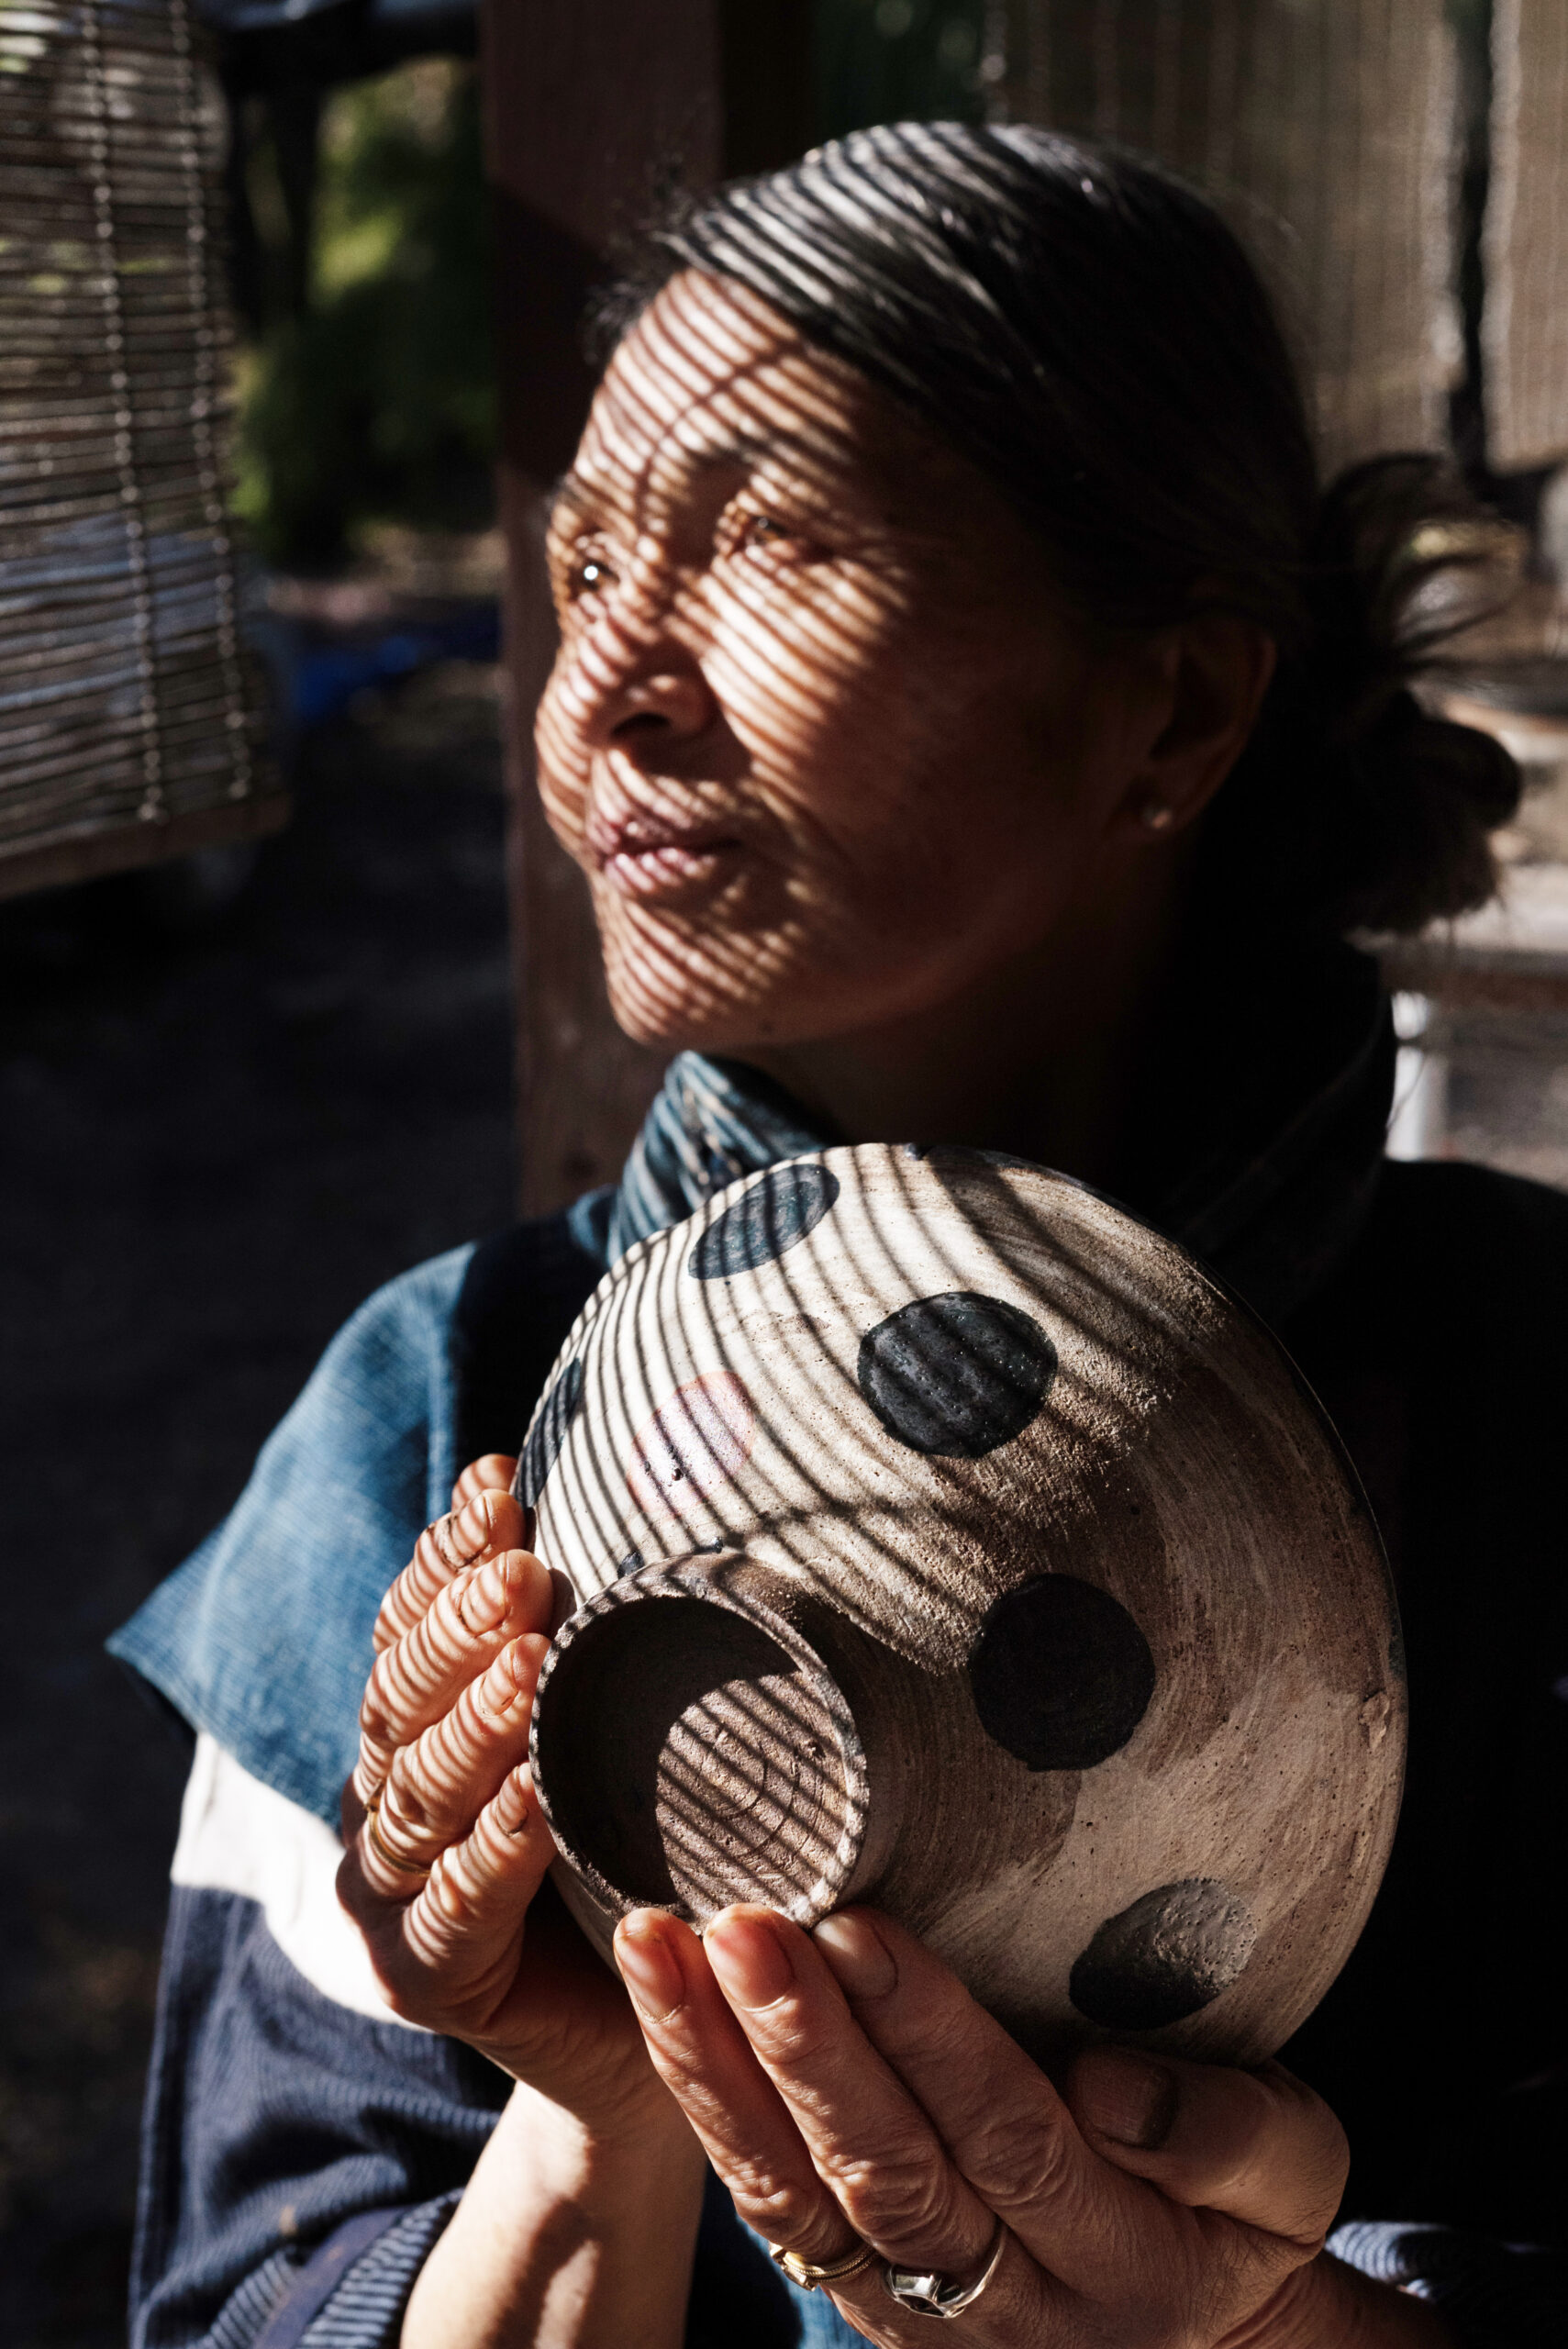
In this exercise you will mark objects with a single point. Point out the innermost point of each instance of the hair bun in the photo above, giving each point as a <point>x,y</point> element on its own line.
<point>1430,794</point>
<point>1407,841</point>
<point>1389,531</point>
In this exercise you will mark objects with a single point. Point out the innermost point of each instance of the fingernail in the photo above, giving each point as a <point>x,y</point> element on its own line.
<point>749,1957</point>
<point>475,1525</point>
<point>480,1519</point>
<point>1127,2098</point>
<point>649,1968</point>
<point>861,1961</point>
<point>511,1677</point>
<point>484,1597</point>
<point>522,1657</point>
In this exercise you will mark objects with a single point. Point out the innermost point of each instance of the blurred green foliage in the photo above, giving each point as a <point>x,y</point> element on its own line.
<point>379,399</point>
<point>376,402</point>
<point>898,61</point>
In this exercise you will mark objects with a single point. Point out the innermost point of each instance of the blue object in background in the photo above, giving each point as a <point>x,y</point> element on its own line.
<point>321,680</point>
<point>312,678</point>
<point>413,26</point>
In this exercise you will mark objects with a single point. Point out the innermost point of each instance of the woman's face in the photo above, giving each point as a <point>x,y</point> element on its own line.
<point>821,733</point>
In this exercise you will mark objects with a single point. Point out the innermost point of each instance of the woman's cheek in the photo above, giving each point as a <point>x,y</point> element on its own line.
<point>794,659</point>
<point>564,781</point>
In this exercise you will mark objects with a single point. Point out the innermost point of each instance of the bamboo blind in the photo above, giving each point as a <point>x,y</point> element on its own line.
<point>1326,130</point>
<point>127,726</point>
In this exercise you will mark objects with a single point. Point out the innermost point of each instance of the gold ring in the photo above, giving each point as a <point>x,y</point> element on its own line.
<point>838,2271</point>
<point>408,1867</point>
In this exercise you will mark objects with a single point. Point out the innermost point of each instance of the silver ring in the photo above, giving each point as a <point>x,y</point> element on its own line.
<point>926,2293</point>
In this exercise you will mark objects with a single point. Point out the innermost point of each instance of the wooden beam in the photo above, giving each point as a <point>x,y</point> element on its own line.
<point>766,64</point>
<point>589,110</point>
<point>592,114</point>
<point>1525,323</point>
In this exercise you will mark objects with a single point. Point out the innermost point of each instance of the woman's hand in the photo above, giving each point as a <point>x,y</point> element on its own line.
<point>578,2225</point>
<point>447,1849</point>
<point>845,2084</point>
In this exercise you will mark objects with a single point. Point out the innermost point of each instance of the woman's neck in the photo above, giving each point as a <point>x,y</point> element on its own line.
<point>1040,1054</point>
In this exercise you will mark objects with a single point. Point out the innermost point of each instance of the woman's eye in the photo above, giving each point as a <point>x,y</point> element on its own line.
<point>762,531</point>
<point>588,575</point>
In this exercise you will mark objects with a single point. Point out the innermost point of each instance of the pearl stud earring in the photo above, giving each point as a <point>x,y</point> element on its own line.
<point>1156,815</point>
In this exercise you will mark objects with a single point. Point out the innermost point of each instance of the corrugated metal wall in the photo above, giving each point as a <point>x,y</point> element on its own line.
<point>1525,246</point>
<point>1326,131</point>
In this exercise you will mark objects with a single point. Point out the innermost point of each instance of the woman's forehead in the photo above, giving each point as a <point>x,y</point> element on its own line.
<point>711,375</point>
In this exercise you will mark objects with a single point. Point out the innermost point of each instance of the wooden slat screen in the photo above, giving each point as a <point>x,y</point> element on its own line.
<point>128,727</point>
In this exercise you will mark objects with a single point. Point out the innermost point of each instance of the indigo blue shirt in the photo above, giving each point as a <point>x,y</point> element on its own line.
<point>303,2148</point>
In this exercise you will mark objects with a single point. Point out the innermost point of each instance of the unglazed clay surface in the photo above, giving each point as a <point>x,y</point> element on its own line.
<point>944,1538</point>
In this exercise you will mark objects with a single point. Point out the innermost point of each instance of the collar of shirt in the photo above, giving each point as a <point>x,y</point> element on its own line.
<point>1271,1098</point>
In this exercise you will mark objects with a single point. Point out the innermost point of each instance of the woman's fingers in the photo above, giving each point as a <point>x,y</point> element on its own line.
<point>706,2060</point>
<point>802,2123</point>
<point>436,1785</point>
<point>1260,2146</point>
<point>1007,2129</point>
<point>488,1521</point>
<point>848,2085</point>
<point>868,2139</point>
<point>493,1474</point>
<point>417,1680</point>
<point>445,1948</point>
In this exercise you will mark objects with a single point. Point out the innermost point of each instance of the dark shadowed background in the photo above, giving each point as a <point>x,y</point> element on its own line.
<point>216,1146</point>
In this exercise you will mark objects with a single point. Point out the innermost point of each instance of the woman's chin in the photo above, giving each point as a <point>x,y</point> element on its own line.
<point>677,1029</point>
<point>670,1018</point>
<point>671,1003</point>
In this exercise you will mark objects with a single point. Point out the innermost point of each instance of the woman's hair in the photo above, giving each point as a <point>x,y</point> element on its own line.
<point>1090,334</point>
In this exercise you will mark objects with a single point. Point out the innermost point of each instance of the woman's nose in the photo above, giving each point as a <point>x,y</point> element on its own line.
<point>632,675</point>
<point>672,699</point>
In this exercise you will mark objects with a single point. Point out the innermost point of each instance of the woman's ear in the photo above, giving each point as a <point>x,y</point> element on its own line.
<point>1214,672</point>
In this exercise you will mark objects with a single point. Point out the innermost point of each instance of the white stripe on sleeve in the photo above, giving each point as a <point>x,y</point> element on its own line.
<point>237,1835</point>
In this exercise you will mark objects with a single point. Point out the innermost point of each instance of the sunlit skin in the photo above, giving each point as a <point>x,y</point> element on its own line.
<point>861,802</point>
<point>859,798</point>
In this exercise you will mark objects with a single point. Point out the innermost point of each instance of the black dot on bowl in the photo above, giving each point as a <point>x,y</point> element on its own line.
<point>1166,1957</point>
<point>547,1433</point>
<point>956,1376</point>
<point>775,1213</point>
<point>1061,1673</point>
<point>632,1564</point>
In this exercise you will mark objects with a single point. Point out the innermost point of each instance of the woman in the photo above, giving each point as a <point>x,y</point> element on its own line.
<point>973,725</point>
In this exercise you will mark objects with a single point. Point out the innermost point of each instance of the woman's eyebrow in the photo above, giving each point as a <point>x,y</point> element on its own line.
<point>741,452</point>
<point>570,489</point>
<point>747,451</point>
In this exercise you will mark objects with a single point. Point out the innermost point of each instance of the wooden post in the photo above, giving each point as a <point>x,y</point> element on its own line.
<point>592,112</point>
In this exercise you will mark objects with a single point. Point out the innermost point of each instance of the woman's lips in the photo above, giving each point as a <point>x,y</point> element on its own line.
<point>644,858</point>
